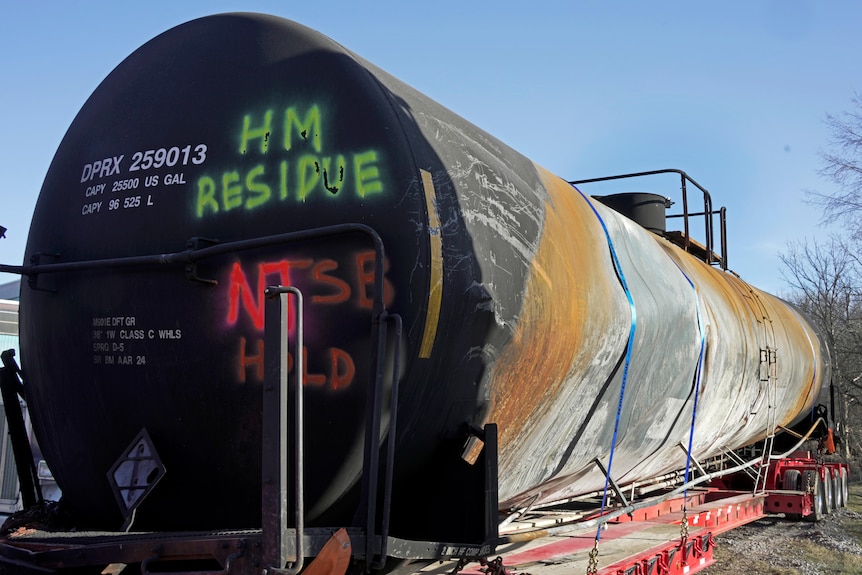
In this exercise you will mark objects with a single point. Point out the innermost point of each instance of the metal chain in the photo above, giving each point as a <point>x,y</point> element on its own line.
<point>494,567</point>
<point>683,525</point>
<point>593,565</point>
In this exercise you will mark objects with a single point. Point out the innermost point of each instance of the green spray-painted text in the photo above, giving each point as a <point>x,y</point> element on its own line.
<point>304,171</point>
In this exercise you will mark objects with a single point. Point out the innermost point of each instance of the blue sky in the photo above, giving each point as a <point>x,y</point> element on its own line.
<point>734,93</point>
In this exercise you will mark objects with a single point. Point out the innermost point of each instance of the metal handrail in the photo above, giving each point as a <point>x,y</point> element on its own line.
<point>276,489</point>
<point>193,255</point>
<point>390,447</point>
<point>278,550</point>
<point>12,390</point>
<point>707,212</point>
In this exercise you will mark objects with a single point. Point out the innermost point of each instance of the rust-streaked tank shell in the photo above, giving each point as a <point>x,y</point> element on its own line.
<point>509,281</point>
<point>762,367</point>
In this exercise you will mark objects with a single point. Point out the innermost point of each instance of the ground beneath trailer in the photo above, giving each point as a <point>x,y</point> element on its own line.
<point>777,546</point>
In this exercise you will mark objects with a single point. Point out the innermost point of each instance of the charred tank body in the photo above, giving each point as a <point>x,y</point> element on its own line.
<point>524,302</point>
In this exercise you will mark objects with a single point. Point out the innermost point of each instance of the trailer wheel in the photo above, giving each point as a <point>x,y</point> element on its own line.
<point>813,481</point>
<point>792,481</point>
<point>837,489</point>
<point>845,487</point>
<point>828,493</point>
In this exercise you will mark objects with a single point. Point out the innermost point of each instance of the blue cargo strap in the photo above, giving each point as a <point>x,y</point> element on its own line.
<point>593,563</point>
<point>697,374</point>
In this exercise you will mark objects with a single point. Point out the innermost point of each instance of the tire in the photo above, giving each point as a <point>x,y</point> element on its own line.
<point>812,478</point>
<point>829,493</point>
<point>845,487</point>
<point>793,480</point>
<point>837,489</point>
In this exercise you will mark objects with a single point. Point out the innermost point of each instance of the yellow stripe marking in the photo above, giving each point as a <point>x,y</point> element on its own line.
<point>435,283</point>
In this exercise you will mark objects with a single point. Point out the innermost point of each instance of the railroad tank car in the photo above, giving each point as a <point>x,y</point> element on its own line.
<point>524,302</point>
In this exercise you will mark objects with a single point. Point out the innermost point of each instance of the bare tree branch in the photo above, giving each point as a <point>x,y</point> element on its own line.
<point>825,278</point>
<point>842,165</point>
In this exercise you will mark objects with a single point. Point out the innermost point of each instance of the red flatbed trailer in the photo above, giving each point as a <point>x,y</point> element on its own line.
<point>648,540</point>
<point>653,540</point>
